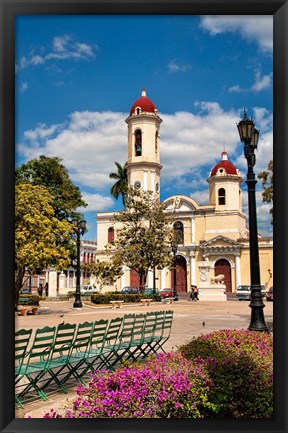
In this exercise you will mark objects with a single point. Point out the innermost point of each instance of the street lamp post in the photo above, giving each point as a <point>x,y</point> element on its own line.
<point>80,226</point>
<point>249,136</point>
<point>174,250</point>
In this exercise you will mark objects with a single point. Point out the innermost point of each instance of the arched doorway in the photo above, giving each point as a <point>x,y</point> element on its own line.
<point>222,266</point>
<point>181,275</point>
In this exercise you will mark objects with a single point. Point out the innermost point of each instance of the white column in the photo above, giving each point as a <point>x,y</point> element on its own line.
<point>162,279</point>
<point>152,178</point>
<point>193,229</point>
<point>237,271</point>
<point>150,278</point>
<point>62,283</point>
<point>52,283</point>
<point>145,179</point>
<point>192,270</point>
<point>122,280</point>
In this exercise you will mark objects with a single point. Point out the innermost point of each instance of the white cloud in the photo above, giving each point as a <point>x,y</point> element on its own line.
<point>173,66</point>
<point>36,60</point>
<point>63,48</point>
<point>40,132</point>
<point>24,87</point>
<point>192,140</point>
<point>96,202</point>
<point>90,143</point>
<point>257,29</point>
<point>261,83</point>
<point>60,43</point>
<point>265,228</point>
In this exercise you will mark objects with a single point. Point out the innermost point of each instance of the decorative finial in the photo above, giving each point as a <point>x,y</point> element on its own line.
<point>143,92</point>
<point>245,112</point>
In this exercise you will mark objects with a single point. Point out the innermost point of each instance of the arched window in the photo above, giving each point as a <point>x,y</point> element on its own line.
<point>110,235</point>
<point>179,232</point>
<point>138,142</point>
<point>156,142</point>
<point>221,196</point>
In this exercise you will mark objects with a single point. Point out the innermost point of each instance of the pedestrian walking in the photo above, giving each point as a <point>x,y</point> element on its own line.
<point>192,294</point>
<point>196,293</point>
<point>46,289</point>
<point>40,290</point>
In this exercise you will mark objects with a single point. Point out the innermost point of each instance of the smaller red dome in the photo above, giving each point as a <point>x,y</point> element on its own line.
<point>144,103</point>
<point>225,165</point>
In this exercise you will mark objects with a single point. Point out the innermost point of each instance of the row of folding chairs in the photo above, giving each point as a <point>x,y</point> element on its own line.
<point>59,355</point>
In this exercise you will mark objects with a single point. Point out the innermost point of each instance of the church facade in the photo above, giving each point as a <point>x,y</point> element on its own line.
<point>212,239</point>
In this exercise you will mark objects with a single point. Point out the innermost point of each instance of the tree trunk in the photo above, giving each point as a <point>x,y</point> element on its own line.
<point>18,283</point>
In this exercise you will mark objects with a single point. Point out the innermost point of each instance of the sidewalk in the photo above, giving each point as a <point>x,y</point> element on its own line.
<point>191,319</point>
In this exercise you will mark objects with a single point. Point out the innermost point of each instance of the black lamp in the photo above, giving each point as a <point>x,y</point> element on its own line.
<point>174,250</point>
<point>79,226</point>
<point>249,135</point>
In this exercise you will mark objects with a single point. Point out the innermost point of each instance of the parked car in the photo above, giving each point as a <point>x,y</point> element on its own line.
<point>149,291</point>
<point>243,292</point>
<point>89,289</point>
<point>269,294</point>
<point>130,290</point>
<point>167,293</point>
<point>25,290</point>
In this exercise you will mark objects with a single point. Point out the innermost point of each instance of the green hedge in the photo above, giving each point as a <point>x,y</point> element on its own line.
<point>107,297</point>
<point>28,300</point>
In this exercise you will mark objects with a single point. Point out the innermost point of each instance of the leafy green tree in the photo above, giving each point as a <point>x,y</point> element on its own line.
<point>51,173</point>
<point>121,186</point>
<point>37,232</point>
<point>267,182</point>
<point>104,271</point>
<point>143,242</point>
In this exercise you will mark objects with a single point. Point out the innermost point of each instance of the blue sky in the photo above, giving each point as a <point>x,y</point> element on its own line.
<point>78,76</point>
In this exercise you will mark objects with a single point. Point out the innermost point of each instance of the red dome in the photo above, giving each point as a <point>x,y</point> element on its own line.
<point>144,103</point>
<point>225,164</point>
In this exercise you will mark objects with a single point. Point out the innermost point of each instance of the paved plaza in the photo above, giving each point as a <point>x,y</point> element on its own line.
<point>191,319</point>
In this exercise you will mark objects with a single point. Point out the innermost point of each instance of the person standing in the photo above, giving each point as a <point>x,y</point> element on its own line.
<point>46,289</point>
<point>196,293</point>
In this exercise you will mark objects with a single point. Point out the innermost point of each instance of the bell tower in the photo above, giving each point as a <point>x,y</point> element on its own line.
<point>225,186</point>
<point>143,146</point>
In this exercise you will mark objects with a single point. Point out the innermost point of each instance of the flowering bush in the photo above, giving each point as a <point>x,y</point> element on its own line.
<point>226,374</point>
<point>169,386</point>
<point>240,363</point>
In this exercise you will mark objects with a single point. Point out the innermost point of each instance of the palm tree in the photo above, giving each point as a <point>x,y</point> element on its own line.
<point>120,187</point>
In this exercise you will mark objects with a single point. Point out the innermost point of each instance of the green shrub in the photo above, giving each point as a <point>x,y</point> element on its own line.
<point>240,365</point>
<point>29,300</point>
<point>105,298</point>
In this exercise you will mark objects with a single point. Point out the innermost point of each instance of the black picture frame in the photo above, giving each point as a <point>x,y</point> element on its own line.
<point>9,10</point>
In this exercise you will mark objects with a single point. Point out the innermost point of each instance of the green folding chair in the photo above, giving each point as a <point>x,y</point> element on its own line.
<point>79,351</point>
<point>144,348</point>
<point>60,356</point>
<point>105,359</point>
<point>123,343</point>
<point>133,351</point>
<point>97,341</point>
<point>155,337</point>
<point>22,338</point>
<point>162,331</point>
<point>34,366</point>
